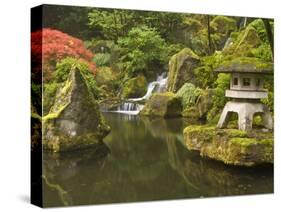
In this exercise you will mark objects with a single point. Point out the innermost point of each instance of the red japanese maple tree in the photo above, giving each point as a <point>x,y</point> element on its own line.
<point>49,46</point>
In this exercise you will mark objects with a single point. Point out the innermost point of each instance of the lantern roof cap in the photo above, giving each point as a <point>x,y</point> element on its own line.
<point>246,65</point>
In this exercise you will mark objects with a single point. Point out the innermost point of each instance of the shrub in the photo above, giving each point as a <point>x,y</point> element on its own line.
<point>259,27</point>
<point>104,76</point>
<point>49,93</point>
<point>57,45</point>
<point>102,59</point>
<point>142,49</point>
<point>65,65</point>
<point>189,94</point>
<point>263,52</point>
<point>219,100</point>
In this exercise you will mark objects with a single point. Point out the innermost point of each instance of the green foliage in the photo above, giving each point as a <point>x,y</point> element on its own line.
<point>172,49</point>
<point>104,76</point>
<point>71,20</point>
<point>102,59</point>
<point>189,94</point>
<point>199,43</point>
<point>141,50</point>
<point>49,94</point>
<point>134,87</point>
<point>100,46</point>
<point>219,100</point>
<point>205,74</point>
<point>269,85</point>
<point>251,42</point>
<point>223,24</point>
<point>263,52</point>
<point>64,66</point>
<point>36,96</point>
<point>111,23</point>
<point>259,27</point>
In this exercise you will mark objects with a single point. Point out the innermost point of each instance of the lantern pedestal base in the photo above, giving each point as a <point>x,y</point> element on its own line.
<point>246,112</point>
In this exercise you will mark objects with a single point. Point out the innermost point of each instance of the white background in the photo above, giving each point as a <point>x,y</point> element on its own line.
<point>15,95</point>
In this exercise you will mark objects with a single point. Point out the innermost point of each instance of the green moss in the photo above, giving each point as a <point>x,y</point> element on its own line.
<point>66,65</point>
<point>243,43</point>
<point>232,133</point>
<point>179,71</point>
<point>223,24</point>
<point>163,104</point>
<point>254,64</point>
<point>53,115</point>
<point>258,25</point>
<point>199,129</point>
<point>247,142</point>
<point>191,113</point>
<point>230,146</point>
<point>62,100</point>
<point>134,87</point>
<point>201,133</point>
<point>49,94</point>
<point>74,104</point>
<point>36,116</point>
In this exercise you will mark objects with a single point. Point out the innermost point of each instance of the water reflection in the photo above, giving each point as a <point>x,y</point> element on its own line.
<point>144,159</point>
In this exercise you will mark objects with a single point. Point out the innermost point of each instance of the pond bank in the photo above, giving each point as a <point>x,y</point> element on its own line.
<point>231,146</point>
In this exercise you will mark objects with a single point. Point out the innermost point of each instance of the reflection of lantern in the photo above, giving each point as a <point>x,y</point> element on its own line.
<point>246,90</point>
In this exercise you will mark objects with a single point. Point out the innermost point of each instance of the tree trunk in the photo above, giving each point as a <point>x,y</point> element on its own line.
<point>269,35</point>
<point>209,35</point>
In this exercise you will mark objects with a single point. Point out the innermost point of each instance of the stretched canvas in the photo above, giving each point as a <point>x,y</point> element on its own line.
<point>131,105</point>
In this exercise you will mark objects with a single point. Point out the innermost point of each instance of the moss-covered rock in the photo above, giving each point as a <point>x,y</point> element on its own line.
<point>49,90</point>
<point>110,104</point>
<point>181,69</point>
<point>244,43</point>
<point>163,104</point>
<point>191,114</point>
<point>221,26</point>
<point>36,129</point>
<point>74,120</point>
<point>230,146</point>
<point>134,87</point>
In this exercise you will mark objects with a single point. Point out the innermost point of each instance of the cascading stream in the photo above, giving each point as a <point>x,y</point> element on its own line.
<point>133,107</point>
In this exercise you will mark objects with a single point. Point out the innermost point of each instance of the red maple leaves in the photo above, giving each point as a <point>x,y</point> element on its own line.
<point>49,46</point>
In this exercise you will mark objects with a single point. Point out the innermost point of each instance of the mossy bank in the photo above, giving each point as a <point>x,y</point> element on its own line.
<point>231,146</point>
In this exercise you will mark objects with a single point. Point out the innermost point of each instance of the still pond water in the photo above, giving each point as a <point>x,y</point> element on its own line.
<point>144,159</point>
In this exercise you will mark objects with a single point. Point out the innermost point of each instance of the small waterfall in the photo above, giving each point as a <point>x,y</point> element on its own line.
<point>158,86</point>
<point>228,43</point>
<point>133,107</point>
<point>129,108</point>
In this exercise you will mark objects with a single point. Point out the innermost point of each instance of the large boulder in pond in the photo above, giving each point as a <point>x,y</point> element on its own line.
<point>134,87</point>
<point>231,146</point>
<point>74,121</point>
<point>163,104</point>
<point>181,69</point>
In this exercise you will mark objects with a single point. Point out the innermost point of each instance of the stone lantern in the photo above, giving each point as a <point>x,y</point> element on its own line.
<point>246,90</point>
